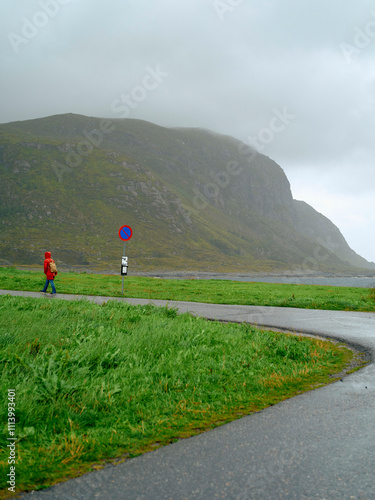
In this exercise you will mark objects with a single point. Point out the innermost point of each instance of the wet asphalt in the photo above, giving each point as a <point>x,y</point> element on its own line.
<point>318,445</point>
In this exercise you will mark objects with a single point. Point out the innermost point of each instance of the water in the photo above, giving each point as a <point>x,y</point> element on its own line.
<point>352,281</point>
<point>356,281</point>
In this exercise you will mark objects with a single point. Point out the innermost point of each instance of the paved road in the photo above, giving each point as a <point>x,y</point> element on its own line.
<point>318,445</point>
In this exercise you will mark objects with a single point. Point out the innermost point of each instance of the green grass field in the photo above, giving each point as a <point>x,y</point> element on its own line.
<point>98,383</point>
<point>210,291</point>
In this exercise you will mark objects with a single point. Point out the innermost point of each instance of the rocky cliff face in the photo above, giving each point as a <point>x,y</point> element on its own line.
<point>319,228</point>
<point>195,199</point>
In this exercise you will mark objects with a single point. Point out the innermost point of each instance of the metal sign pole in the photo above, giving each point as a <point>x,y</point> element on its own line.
<point>125,233</point>
<point>122,291</point>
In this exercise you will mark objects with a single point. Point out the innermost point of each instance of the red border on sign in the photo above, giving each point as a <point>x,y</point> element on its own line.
<point>119,233</point>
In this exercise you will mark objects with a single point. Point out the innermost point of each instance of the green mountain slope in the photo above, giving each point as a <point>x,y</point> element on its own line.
<point>194,199</point>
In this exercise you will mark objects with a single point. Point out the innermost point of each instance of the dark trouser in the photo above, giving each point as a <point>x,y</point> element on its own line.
<point>52,285</point>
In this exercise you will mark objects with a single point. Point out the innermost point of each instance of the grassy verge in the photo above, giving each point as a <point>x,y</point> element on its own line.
<point>211,291</point>
<point>93,383</point>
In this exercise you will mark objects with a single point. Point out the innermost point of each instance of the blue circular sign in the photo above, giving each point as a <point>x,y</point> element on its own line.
<point>125,233</point>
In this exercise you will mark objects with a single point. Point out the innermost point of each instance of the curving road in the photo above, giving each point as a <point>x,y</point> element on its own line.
<point>318,445</point>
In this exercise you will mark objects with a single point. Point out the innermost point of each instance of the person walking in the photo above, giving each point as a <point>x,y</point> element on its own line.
<point>50,271</point>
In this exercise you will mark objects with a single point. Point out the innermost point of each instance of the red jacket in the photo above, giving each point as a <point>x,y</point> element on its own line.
<point>47,272</point>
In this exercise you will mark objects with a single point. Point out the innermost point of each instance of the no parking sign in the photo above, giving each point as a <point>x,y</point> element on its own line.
<point>125,233</point>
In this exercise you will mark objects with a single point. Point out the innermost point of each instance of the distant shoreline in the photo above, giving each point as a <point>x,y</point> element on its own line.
<point>323,279</point>
<point>364,279</point>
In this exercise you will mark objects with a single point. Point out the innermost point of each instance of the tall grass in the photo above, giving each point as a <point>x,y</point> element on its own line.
<point>97,382</point>
<point>211,291</point>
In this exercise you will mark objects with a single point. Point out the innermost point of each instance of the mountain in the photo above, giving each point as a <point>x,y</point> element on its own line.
<point>319,228</point>
<point>196,200</point>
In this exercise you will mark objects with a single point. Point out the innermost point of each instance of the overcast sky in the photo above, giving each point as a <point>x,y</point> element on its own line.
<point>294,78</point>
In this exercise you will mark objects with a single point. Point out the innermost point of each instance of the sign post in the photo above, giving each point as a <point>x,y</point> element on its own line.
<point>125,233</point>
